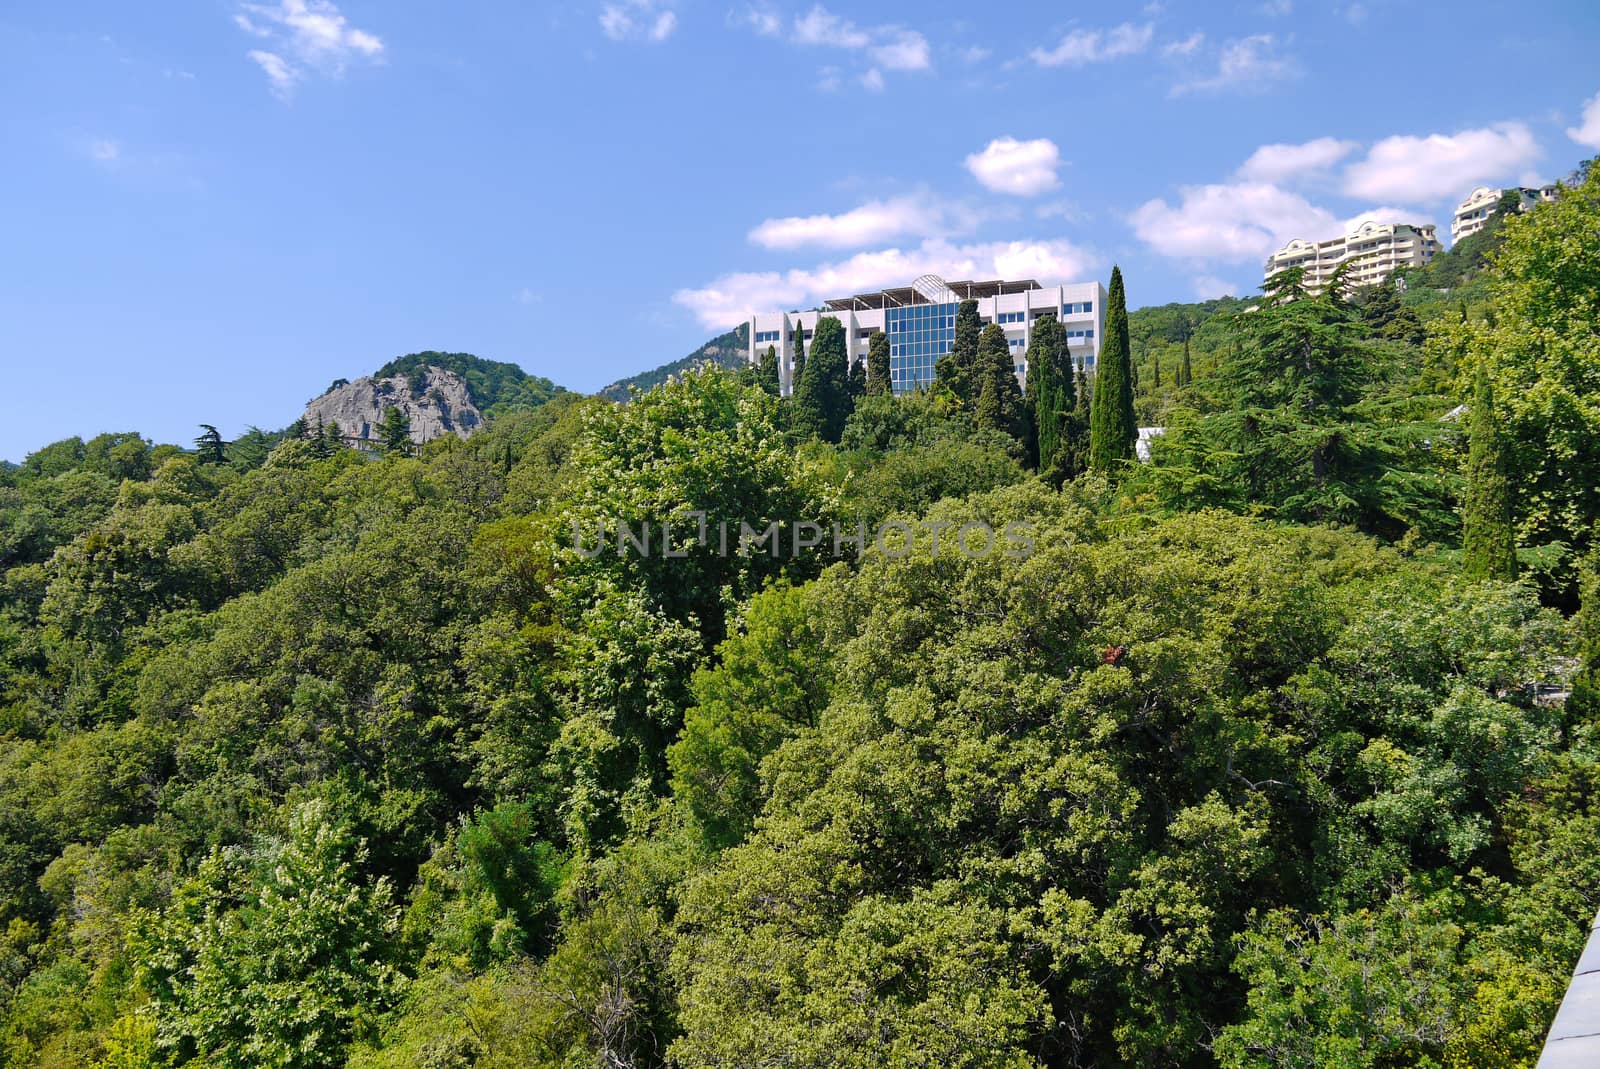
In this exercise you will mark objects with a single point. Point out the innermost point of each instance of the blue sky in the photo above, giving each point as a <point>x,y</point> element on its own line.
<point>213,209</point>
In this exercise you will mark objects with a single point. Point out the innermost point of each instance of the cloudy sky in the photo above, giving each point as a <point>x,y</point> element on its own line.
<point>212,209</point>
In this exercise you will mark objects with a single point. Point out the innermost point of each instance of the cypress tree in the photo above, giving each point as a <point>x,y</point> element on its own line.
<point>1489,544</point>
<point>1157,369</point>
<point>857,382</point>
<point>767,376</point>
<point>958,369</point>
<point>1112,429</point>
<point>999,404</point>
<point>877,364</point>
<point>822,395</point>
<point>1584,703</point>
<point>799,365</point>
<point>1051,393</point>
<point>1186,372</point>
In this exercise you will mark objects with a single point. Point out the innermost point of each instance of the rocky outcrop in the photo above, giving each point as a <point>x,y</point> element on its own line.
<point>437,402</point>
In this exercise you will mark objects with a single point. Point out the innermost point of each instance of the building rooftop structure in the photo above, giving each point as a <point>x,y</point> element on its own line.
<point>903,296</point>
<point>918,322</point>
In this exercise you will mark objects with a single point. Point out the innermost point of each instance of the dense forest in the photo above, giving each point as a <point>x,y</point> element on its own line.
<point>1263,756</point>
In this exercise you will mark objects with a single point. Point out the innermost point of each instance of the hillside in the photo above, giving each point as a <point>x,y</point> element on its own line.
<point>437,393</point>
<point>725,350</point>
<point>1281,749</point>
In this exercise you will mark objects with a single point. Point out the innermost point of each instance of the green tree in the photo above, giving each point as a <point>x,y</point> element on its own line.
<point>878,364</point>
<point>999,402</point>
<point>797,365</point>
<point>1543,344</point>
<point>768,376</point>
<point>822,396</point>
<point>209,447</point>
<point>277,959</point>
<point>1112,426</point>
<point>1186,372</point>
<point>1052,393</point>
<point>770,681</point>
<point>1487,533</point>
<point>958,369</point>
<point>1584,704</point>
<point>394,433</point>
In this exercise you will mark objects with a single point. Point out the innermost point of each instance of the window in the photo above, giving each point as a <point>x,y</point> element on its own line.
<point>1014,342</point>
<point>1012,317</point>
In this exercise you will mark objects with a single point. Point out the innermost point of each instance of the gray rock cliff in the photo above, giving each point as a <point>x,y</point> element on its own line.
<point>440,403</point>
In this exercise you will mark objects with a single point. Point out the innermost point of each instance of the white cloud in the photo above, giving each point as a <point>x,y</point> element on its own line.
<point>1277,8</point>
<point>1277,163</point>
<point>1210,287</point>
<point>1186,47</point>
<point>1022,168</point>
<point>733,297</point>
<point>280,73</point>
<point>975,54</point>
<point>1229,221</point>
<point>1095,46</point>
<point>304,34</point>
<point>919,215</point>
<point>819,26</point>
<point>1588,131</point>
<point>763,20</point>
<point>642,20</point>
<point>105,151</point>
<point>1417,170</point>
<point>907,52</point>
<point>881,48</point>
<point>1251,63</point>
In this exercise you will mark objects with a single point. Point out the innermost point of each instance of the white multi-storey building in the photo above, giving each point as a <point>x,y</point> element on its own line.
<point>1472,214</point>
<point>1377,248</point>
<point>920,321</point>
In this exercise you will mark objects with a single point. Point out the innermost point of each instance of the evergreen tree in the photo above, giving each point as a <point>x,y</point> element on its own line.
<point>1488,540</point>
<point>822,395</point>
<point>999,404</point>
<point>767,377</point>
<point>958,369</point>
<point>1186,372</point>
<point>798,366</point>
<point>394,433</point>
<point>1051,392</point>
<point>857,382</point>
<point>878,364</point>
<point>322,445</point>
<point>209,446</point>
<point>1112,427</point>
<point>1156,367</point>
<point>1584,704</point>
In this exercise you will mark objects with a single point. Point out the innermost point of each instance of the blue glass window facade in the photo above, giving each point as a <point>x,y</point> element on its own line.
<point>918,336</point>
<point>768,336</point>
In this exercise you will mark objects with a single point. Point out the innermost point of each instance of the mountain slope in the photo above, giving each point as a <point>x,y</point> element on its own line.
<point>725,350</point>
<point>439,393</point>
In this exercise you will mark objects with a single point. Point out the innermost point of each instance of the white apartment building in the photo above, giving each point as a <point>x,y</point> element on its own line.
<point>920,321</point>
<point>1472,214</point>
<point>1377,248</point>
